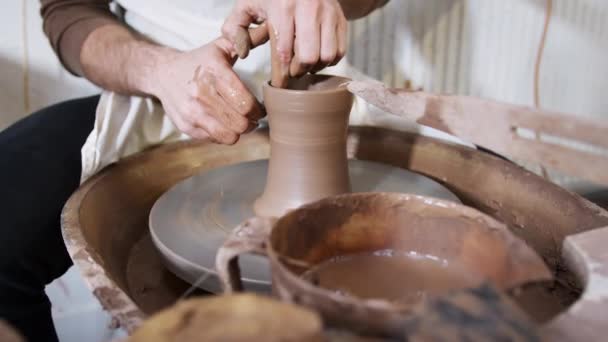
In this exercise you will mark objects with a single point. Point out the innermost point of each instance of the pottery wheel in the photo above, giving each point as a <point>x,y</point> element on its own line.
<point>190,222</point>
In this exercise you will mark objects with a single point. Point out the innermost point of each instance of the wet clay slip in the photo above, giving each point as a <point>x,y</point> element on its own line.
<point>308,126</point>
<point>384,223</point>
<point>406,279</point>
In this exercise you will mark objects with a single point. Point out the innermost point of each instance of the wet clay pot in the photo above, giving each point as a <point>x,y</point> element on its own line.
<point>370,222</point>
<point>308,128</point>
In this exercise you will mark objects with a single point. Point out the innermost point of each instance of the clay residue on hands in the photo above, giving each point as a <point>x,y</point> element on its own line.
<point>308,126</point>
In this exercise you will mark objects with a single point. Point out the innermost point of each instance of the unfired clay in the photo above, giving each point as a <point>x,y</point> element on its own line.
<point>308,125</point>
<point>349,224</point>
<point>403,278</point>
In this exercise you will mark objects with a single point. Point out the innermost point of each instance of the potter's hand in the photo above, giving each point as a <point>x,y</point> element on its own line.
<point>311,34</point>
<point>203,96</point>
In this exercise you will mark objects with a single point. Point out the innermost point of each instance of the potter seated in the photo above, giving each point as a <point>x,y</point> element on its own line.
<point>166,76</point>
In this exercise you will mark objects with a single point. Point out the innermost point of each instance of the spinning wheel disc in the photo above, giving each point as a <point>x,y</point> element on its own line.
<point>190,222</point>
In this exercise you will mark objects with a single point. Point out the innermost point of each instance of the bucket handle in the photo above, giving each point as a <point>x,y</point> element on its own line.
<point>248,237</point>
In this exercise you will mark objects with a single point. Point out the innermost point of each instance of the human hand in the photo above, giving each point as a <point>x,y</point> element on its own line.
<point>203,95</point>
<point>310,34</point>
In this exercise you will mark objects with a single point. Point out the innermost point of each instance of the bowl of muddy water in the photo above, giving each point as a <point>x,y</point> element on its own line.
<point>365,261</point>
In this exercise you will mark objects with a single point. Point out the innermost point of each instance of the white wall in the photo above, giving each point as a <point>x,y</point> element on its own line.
<point>488,48</point>
<point>31,77</point>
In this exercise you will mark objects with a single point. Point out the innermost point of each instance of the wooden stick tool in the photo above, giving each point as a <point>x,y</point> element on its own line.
<point>247,39</point>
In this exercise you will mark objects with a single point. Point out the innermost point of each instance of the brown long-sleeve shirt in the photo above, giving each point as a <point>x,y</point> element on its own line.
<point>67,23</point>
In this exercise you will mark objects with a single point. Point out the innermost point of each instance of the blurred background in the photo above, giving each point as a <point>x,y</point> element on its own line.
<point>486,48</point>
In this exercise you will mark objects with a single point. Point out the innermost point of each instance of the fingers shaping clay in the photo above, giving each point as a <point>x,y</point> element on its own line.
<point>308,124</point>
<point>279,75</point>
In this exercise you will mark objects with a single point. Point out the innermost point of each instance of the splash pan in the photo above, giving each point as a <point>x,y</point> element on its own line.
<point>190,222</point>
<point>105,222</point>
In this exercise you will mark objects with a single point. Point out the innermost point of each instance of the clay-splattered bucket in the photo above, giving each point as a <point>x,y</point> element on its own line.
<point>369,222</point>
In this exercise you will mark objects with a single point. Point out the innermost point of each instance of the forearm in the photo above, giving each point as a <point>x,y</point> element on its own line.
<point>67,23</point>
<point>90,41</point>
<point>355,9</point>
<point>116,59</point>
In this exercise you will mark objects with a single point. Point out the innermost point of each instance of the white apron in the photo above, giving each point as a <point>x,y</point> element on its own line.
<point>125,125</point>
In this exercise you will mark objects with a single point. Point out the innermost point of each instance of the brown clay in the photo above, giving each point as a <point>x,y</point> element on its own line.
<point>247,38</point>
<point>308,124</point>
<point>149,282</point>
<point>404,278</point>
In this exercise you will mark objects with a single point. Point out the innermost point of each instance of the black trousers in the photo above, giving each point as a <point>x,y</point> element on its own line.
<point>40,167</point>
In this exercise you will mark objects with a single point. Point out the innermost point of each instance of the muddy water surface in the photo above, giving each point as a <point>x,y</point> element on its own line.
<point>404,278</point>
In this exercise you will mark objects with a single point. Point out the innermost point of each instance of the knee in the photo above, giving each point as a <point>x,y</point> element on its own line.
<point>27,265</point>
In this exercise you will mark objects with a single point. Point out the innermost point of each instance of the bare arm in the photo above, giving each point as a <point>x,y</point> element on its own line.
<point>116,59</point>
<point>198,89</point>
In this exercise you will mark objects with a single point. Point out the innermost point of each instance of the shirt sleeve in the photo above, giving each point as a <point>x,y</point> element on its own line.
<point>67,23</point>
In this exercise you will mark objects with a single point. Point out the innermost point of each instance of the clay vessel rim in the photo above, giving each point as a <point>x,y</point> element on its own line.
<point>490,225</point>
<point>398,197</point>
<point>342,87</point>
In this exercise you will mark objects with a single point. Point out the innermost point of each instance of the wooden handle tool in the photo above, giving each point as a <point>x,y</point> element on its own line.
<point>572,145</point>
<point>246,39</point>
